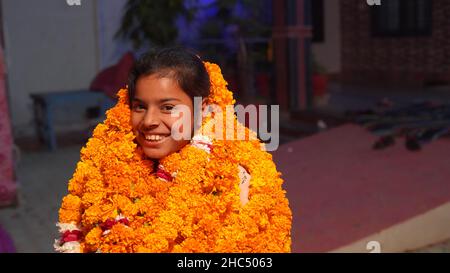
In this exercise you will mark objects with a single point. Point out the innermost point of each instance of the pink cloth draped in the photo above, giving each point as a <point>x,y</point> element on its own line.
<point>6,242</point>
<point>7,181</point>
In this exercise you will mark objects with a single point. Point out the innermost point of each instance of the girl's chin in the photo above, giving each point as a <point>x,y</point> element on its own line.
<point>161,151</point>
<point>155,153</point>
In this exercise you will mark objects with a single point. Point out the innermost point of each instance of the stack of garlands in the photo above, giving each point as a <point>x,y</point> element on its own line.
<point>119,202</point>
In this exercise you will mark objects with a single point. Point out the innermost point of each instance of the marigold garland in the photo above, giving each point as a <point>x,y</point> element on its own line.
<point>118,203</point>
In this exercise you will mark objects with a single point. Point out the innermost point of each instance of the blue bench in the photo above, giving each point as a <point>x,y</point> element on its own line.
<point>47,106</point>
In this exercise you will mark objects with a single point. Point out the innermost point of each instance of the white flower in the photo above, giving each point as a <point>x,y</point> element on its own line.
<point>120,216</point>
<point>68,247</point>
<point>202,142</point>
<point>63,227</point>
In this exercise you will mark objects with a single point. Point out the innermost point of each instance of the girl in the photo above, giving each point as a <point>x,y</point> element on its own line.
<point>138,188</point>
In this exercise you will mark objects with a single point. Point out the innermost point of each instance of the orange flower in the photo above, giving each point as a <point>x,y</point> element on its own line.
<point>199,211</point>
<point>93,238</point>
<point>69,216</point>
<point>71,202</point>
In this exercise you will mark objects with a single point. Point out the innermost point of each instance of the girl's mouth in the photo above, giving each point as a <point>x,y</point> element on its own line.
<point>151,140</point>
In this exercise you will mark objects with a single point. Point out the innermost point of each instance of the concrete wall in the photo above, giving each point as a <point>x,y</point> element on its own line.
<point>328,52</point>
<point>50,47</point>
<point>108,21</point>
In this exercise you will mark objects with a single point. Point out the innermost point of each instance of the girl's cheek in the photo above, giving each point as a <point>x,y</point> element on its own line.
<point>135,120</point>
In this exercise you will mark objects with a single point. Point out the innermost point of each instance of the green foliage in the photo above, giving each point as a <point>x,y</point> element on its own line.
<point>151,21</point>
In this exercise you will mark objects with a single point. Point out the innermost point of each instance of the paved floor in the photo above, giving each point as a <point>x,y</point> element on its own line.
<point>341,190</point>
<point>443,247</point>
<point>43,178</point>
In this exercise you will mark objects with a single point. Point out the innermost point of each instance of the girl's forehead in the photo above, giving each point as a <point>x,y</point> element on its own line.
<point>156,78</point>
<point>155,84</point>
<point>156,87</point>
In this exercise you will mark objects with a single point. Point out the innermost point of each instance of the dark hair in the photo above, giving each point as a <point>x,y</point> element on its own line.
<point>177,63</point>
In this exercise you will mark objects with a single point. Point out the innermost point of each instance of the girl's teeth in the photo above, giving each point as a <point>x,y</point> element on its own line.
<point>153,137</point>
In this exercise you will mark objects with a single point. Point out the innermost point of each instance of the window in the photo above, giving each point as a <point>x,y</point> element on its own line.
<point>317,21</point>
<point>402,18</point>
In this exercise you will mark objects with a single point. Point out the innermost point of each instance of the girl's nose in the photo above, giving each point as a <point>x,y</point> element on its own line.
<point>151,118</point>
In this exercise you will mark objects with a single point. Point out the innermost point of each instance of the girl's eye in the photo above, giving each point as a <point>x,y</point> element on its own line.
<point>167,107</point>
<point>138,107</point>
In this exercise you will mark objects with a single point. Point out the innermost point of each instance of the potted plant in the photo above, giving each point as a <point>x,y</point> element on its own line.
<point>152,23</point>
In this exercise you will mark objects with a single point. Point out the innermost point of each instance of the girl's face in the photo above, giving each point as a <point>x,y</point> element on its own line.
<point>155,99</point>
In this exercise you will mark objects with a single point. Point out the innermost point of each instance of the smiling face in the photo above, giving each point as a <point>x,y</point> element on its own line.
<point>154,100</point>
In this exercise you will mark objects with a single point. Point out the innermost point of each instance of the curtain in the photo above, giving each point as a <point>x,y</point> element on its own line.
<point>7,181</point>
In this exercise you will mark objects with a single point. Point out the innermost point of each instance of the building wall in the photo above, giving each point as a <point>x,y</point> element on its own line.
<point>407,61</point>
<point>50,47</point>
<point>328,52</point>
<point>108,21</point>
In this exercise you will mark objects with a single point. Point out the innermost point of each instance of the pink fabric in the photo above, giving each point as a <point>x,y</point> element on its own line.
<point>7,183</point>
<point>6,242</point>
<point>113,78</point>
